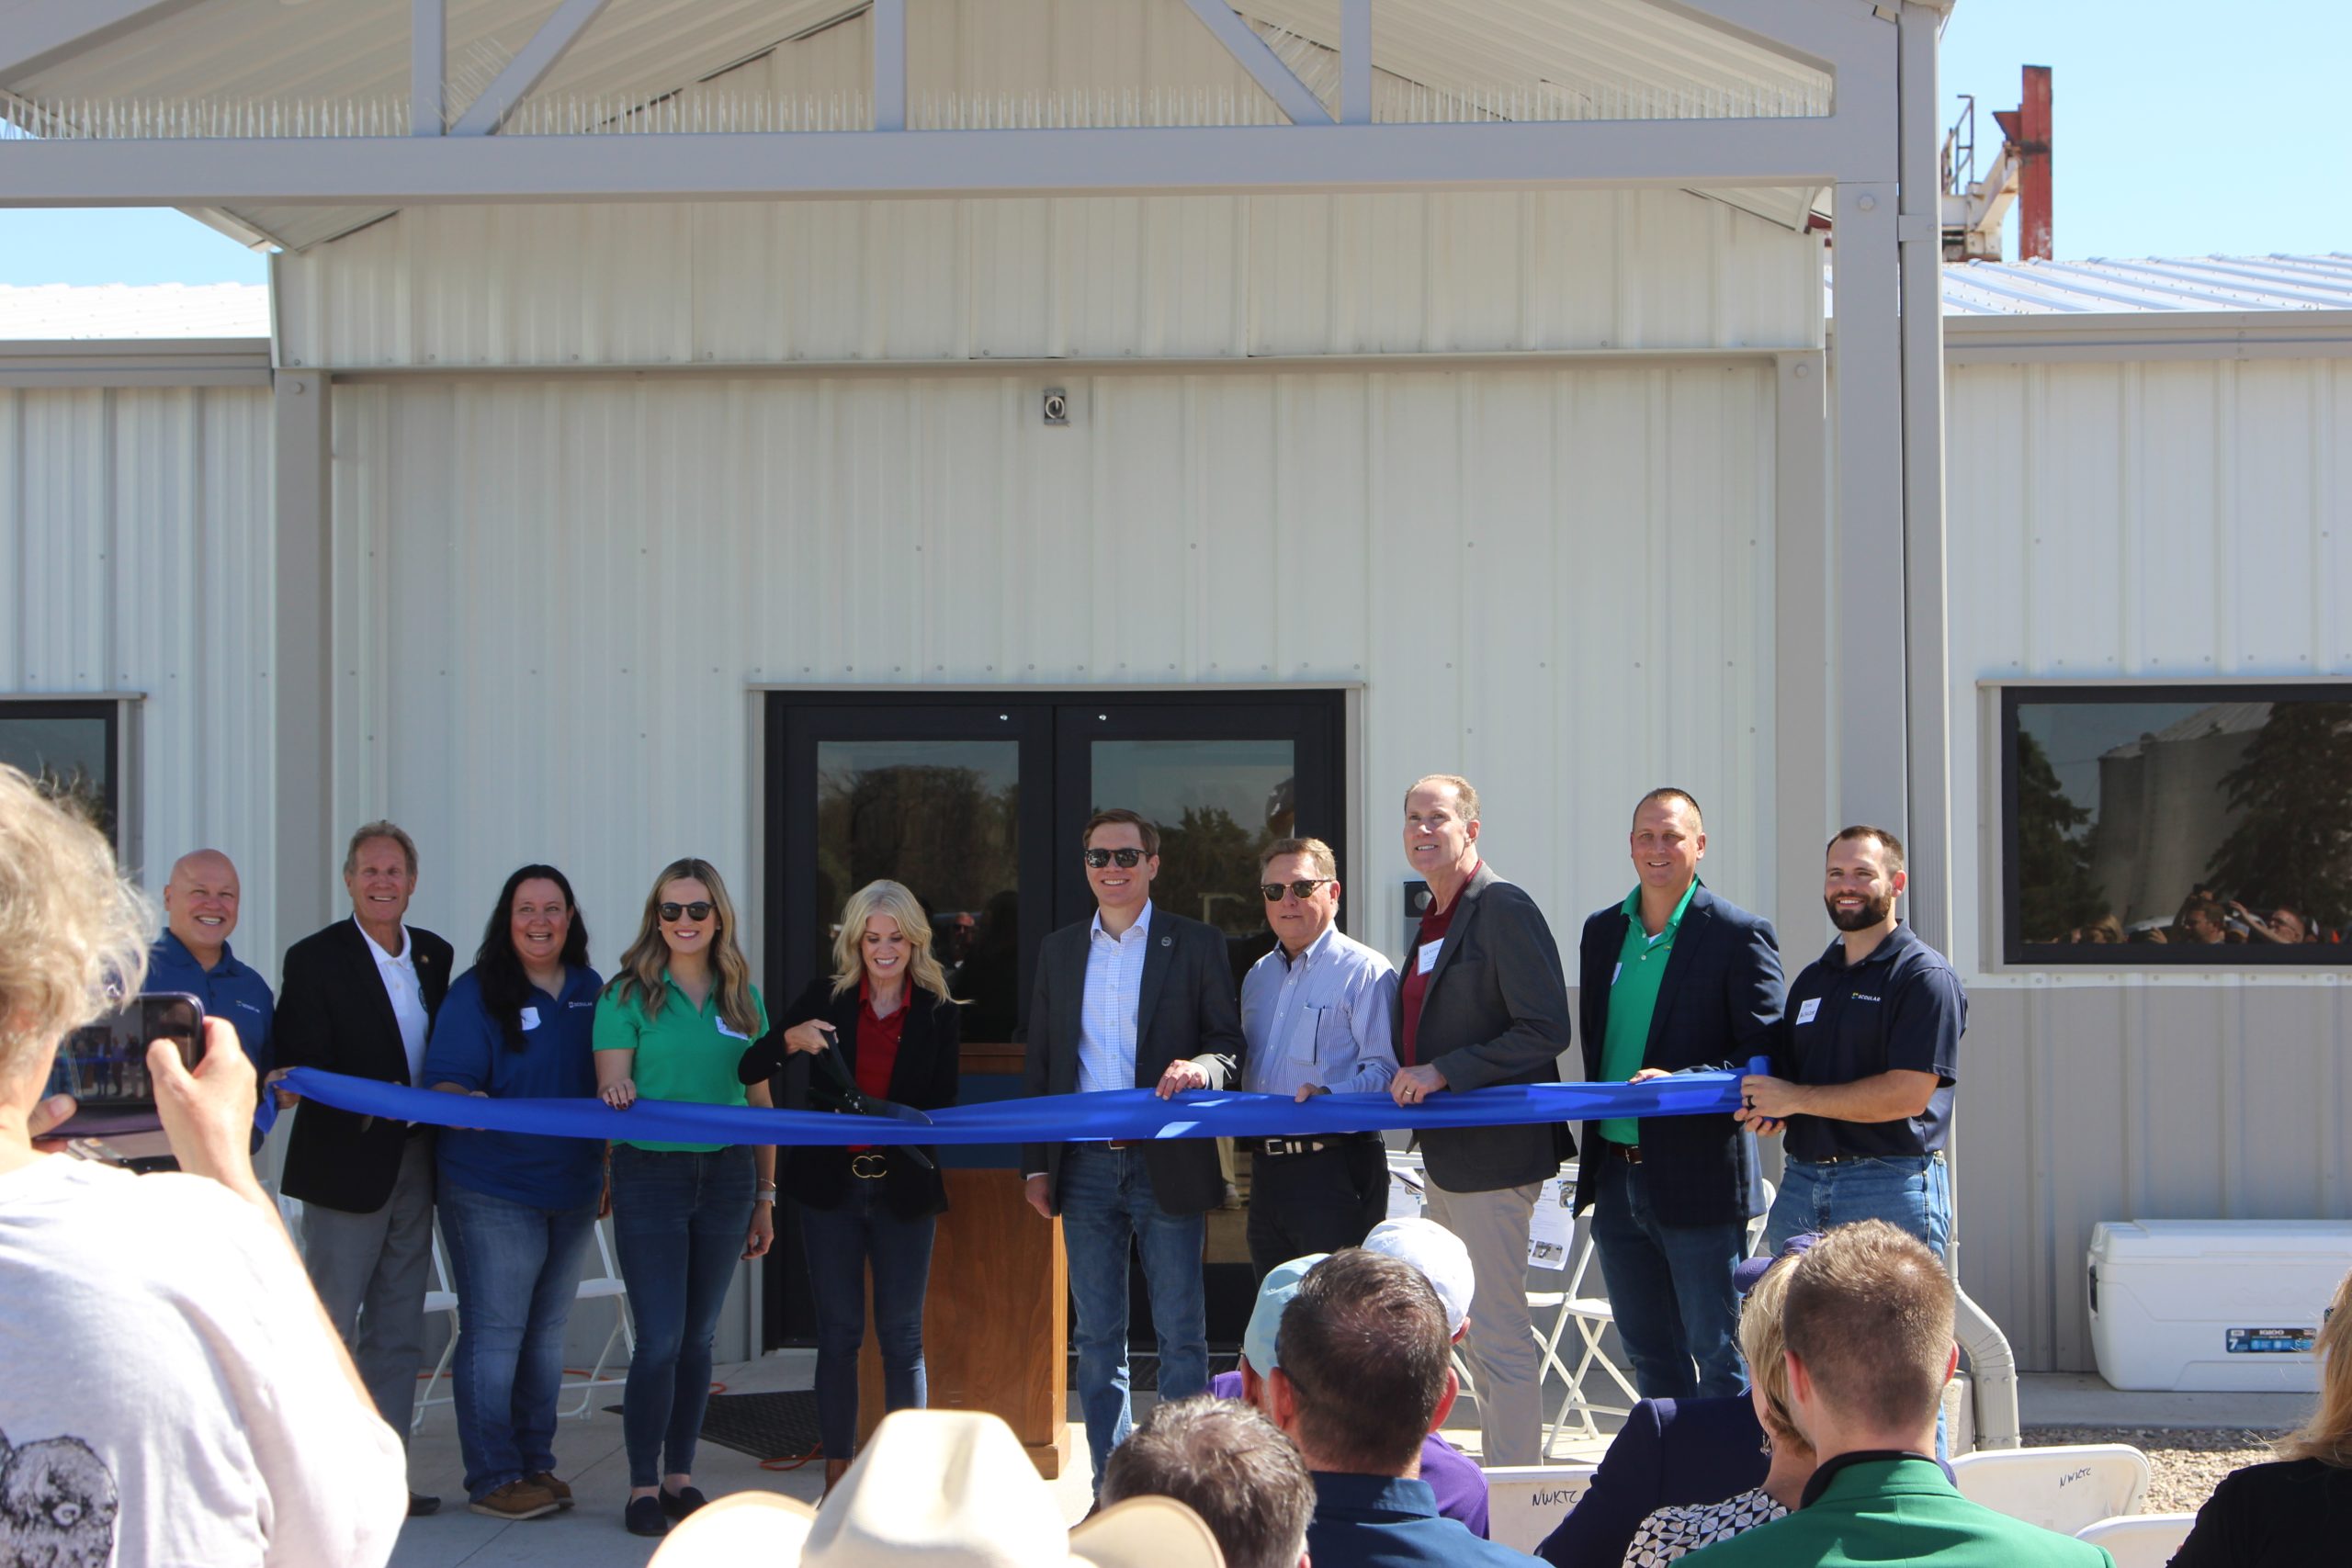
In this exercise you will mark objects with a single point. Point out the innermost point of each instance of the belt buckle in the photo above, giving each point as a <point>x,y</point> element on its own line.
<point>859,1164</point>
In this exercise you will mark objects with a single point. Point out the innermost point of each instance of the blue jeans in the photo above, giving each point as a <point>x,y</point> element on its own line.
<point>1911,1193</point>
<point>1670,1287</point>
<point>1107,1199</point>
<point>841,1242</point>
<point>517,1271</point>
<point>679,1224</point>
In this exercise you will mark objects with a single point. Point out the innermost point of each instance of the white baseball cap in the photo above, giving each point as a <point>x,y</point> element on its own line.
<point>1439,1254</point>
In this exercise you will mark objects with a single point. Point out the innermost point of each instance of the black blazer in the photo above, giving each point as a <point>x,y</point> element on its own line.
<point>1671,1454</point>
<point>1718,1004</point>
<point>924,1076</point>
<point>1495,1011</point>
<point>1185,1007</point>
<point>2285,1511</point>
<point>333,1013</point>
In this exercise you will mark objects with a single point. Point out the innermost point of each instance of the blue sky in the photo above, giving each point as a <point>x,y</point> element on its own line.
<point>2180,128</point>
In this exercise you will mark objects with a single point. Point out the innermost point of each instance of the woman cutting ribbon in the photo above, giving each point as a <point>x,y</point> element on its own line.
<point>881,1027</point>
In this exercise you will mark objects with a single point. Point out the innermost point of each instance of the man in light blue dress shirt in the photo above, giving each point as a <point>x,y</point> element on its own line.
<point>1316,1013</point>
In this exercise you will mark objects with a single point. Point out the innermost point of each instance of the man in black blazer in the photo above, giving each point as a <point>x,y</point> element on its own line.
<point>1670,980</point>
<point>1135,997</point>
<point>1483,1002</point>
<point>359,998</point>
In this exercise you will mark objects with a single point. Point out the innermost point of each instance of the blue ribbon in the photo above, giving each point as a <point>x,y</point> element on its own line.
<point>1043,1119</point>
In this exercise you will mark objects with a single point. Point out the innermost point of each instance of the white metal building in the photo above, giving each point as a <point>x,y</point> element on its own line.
<point>1498,415</point>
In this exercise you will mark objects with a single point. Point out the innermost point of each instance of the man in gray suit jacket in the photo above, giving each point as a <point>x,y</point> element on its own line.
<point>1484,1001</point>
<point>1135,997</point>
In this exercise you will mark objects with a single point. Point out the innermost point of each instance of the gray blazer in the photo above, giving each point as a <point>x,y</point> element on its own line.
<point>1184,1008</point>
<point>1496,1013</point>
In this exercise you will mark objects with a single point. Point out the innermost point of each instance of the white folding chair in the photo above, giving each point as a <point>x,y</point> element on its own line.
<point>441,1298</point>
<point>605,1286</point>
<point>2063,1489</point>
<point>1526,1502</point>
<point>1575,1303</point>
<point>2143,1541</point>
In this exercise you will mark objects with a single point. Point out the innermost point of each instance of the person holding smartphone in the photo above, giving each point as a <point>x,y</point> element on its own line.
<point>673,1025</point>
<point>883,1024</point>
<point>173,1392</point>
<point>517,1211</point>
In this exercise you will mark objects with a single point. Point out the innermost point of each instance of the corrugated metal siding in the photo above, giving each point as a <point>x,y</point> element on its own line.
<point>553,597</point>
<point>2168,521</point>
<point>135,556</point>
<point>1194,277</point>
<point>2173,284</point>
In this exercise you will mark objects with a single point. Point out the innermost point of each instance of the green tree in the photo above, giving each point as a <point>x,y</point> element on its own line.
<point>2292,794</point>
<point>2055,891</point>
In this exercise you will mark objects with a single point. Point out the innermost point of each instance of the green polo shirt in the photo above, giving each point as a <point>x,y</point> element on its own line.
<point>683,1052</point>
<point>1632,998</point>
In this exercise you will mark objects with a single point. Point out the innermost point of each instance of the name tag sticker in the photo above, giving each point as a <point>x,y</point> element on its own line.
<point>730,1032</point>
<point>1806,1008</point>
<point>1429,956</point>
<point>530,1018</point>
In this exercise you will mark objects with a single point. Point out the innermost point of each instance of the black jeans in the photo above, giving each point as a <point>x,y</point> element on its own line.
<point>1317,1202</point>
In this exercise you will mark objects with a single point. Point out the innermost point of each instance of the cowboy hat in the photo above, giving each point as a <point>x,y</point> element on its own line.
<point>945,1488</point>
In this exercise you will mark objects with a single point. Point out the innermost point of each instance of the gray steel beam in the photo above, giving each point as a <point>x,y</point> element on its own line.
<point>889,35</point>
<point>37,34</point>
<point>1803,795</point>
<point>396,171</point>
<point>528,68</point>
<point>1241,42</point>
<point>1355,61</point>
<point>428,66</point>
<point>301,667</point>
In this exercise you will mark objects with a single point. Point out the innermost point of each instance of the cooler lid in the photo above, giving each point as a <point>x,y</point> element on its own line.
<point>2313,1241</point>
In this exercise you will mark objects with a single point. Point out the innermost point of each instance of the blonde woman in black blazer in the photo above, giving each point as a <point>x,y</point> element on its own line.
<point>883,1021</point>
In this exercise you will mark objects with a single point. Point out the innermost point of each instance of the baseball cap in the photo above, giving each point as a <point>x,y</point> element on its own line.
<point>1439,1254</point>
<point>1266,1316</point>
<point>1749,1270</point>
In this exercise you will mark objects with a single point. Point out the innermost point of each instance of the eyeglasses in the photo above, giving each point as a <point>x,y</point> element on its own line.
<point>697,911</point>
<point>1304,888</point>
<point>1128,859</point>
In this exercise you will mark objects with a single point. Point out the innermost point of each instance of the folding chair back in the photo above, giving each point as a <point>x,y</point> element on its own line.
<point>2063,1489</point>
<point>1526,1502</point>
<point>2143,1541</point>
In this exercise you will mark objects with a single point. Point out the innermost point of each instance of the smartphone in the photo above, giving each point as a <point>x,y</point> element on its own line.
<point>104,1065</point>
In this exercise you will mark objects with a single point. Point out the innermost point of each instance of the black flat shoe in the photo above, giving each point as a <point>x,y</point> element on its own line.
<point>684,1501</point>
<point>643,1517</point>
<point>418,1504</point>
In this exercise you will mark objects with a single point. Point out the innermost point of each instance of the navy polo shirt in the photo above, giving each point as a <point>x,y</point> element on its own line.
<point>555,1061</point>
<point>1900,1010</point>
<point>232,989</point>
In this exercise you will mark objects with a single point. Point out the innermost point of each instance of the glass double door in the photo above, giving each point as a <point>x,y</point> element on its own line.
<point>975,802</point>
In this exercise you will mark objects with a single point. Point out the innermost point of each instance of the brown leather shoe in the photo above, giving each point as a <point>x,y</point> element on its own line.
<point>546,1478</point>
<point>518,1500</point>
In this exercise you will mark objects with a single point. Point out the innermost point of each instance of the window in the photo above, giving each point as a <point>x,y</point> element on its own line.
<point>69,748</point>
<point>2164,825</point>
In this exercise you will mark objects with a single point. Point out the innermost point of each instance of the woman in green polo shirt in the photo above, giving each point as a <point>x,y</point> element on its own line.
<point>672,1026</point>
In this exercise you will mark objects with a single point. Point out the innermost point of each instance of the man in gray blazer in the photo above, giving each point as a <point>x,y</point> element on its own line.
<point>1484,1001</point>
<point>1135,997</point>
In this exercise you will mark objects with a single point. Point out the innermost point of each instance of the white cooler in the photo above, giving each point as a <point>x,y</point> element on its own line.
<point>2214,1305</point>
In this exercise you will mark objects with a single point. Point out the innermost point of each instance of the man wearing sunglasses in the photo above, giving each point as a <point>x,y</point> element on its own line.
<point>1316,1013</point>
<point>1135,997</point>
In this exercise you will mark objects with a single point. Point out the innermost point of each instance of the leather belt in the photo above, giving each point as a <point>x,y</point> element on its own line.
<point>1935,1155</point>
<point>1630,1153</point>
<point>1278,1147</point>
<point>1123,1143</point>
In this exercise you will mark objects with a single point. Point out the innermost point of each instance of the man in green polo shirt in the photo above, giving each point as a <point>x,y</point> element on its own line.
<point>1868,1329</point>
<point>1673,978</point>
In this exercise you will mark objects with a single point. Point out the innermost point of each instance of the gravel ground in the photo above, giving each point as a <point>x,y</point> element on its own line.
<point>2187,1464</point>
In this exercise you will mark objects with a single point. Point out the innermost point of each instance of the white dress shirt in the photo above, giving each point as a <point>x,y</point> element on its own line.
<point>1106,1016</point>
<point>1321,1018</point>
<point>398,971</point>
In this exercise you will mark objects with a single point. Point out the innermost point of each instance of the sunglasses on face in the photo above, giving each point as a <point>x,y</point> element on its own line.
<point>1304,888</point>
<point>672,913</point>
<point>1127,859</point>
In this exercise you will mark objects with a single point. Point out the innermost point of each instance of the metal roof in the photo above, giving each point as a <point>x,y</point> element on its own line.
<point>124,310</point>
<point>2111,288</point>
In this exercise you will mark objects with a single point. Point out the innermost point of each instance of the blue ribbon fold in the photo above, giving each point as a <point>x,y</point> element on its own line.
<point>1130,1113</point>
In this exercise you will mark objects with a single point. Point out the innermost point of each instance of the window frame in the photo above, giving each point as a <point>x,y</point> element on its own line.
<point>2019,954</point>
<point>115,710</point>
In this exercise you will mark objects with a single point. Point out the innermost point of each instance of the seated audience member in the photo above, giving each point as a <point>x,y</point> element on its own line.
<point>1363,1375</point>
<point>1675,1532</point>
<point>947,1489</point>
<point>170,1389</point>
<point>1227,1463</point>
<point>2297,1509</point>
<point>1868,1328</point>
<point>1438,1253</point>
<point>2199,920</point>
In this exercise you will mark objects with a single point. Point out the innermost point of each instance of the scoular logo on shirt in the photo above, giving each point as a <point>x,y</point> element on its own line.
<point>1861,997</point>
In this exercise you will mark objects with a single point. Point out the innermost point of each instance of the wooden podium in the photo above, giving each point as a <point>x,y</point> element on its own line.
<point>997,1317</point>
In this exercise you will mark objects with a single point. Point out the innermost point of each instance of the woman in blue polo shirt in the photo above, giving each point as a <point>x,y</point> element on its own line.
<point>517,1211</point>
<point>672,1026</point>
